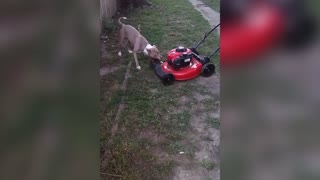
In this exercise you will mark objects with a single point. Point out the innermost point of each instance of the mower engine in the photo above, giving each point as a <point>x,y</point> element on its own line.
<point>179,57</point>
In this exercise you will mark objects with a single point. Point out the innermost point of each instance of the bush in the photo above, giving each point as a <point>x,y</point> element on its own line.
<point>126,4</point>
<point>107,26</point>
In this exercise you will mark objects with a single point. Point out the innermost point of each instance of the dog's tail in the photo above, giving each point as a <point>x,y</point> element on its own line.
<point>119,20</point>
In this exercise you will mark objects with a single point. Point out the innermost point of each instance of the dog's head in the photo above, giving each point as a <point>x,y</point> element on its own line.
<point>153,52</point>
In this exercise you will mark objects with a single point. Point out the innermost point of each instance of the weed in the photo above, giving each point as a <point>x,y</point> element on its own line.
<point>214,122</point>
<point>176,147</point>
<point>209,165</point>
<point>107,26</point>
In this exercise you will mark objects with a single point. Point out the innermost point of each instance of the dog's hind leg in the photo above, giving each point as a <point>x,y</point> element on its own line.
<point>125,45</point>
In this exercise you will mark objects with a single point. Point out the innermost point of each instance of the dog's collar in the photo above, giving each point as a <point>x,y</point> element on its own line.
<point>145,52</point>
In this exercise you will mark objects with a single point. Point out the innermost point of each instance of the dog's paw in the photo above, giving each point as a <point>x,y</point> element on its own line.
<point>119,53</point>
<point>138,67</point>
<point>130,51</point>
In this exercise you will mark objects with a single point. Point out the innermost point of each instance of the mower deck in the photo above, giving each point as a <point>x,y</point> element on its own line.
<point>185,73</point>
<point>196,67</point>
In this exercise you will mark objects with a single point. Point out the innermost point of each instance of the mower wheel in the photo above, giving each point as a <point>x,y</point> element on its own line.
<point>208,69</point>
<point>168,79</point>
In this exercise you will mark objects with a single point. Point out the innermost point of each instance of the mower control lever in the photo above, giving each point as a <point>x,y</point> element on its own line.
<point>203,60</point>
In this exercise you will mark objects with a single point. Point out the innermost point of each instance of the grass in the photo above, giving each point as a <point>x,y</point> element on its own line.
<point>214,4</point>
<point>148,104</point>
<point>209,165</point>
<point>108,26</point>
<point>132,159</point>
<point>214,122</point>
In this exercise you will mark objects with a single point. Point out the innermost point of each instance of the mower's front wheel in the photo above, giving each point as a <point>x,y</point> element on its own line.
<point>208,69</point>
<point>168,79</point>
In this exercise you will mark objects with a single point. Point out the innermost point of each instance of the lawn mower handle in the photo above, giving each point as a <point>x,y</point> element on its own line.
<point>214,52</point>
<point>205,36</point>
<point>206,59</point>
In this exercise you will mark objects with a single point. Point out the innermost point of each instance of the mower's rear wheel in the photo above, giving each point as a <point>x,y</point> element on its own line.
<point>208,69</point>
<point>168,79</point>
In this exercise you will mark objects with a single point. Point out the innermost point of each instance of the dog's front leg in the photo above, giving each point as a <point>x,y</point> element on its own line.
<point>136,60</point>
<point>122,41</point>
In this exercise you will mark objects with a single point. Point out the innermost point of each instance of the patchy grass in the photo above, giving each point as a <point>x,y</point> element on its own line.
<point>213,4</point>
<point>132,159</point>
<point>214,122</point>
<point>150,106</point>
<point>209,165</point>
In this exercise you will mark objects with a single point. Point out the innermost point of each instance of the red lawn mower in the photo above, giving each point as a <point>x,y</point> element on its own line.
<point>185,63</point>
<point>251,27</point>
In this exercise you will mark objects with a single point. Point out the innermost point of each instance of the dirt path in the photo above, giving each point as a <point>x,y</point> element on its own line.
<point>203,135</point>
<point>209,14</point>
<point>206,162</point>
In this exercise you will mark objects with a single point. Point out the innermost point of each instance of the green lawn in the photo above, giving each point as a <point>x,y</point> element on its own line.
<point>153,120</point>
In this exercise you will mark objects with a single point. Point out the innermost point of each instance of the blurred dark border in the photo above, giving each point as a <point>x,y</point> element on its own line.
<point>49,53</point>
<point>270,103</point>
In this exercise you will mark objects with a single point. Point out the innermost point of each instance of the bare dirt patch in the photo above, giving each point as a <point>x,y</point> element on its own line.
<point>206,139</point>
<point>151,135</point>
<point>107,70</point>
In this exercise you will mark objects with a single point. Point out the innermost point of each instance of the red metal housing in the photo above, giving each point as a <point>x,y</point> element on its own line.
<point>258,31</point>
<point>184,73</point>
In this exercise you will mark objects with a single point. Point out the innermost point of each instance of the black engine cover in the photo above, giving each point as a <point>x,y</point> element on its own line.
<point>183,61</point>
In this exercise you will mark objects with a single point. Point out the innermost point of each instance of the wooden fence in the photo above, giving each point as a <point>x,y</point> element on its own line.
<point>107,8</point>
